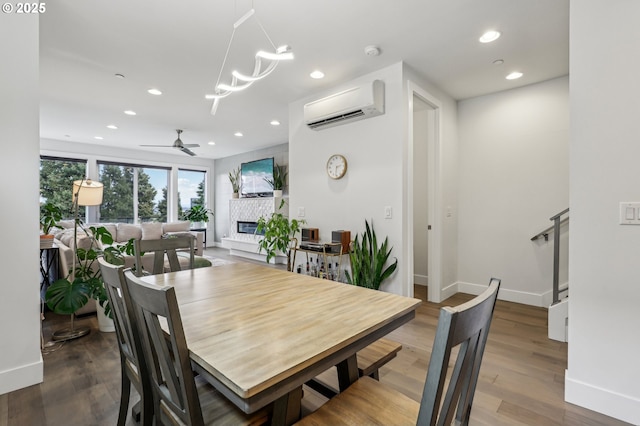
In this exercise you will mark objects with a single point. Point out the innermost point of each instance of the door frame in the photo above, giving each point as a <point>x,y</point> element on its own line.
<point>434,196</point>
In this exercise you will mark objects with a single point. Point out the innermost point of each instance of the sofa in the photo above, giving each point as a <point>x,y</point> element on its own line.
<point>121,233</point>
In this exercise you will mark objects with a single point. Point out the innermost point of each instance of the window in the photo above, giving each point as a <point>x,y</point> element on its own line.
<point>56,182</point>
<point>191,189</point>
<point>133,193</point>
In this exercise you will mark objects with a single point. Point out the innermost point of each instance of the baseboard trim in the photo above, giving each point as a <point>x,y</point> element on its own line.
<point>21,377</point>
<point>420,279</point>
<point>612,404</point>
<point>524,297</point>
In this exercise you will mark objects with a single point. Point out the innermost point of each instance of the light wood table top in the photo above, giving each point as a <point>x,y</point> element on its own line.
<point>259,333</point>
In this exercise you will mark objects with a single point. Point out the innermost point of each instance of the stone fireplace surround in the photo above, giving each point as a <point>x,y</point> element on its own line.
<point>250,210</point>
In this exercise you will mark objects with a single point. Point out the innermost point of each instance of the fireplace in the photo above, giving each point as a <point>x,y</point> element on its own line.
<point>248,228</point>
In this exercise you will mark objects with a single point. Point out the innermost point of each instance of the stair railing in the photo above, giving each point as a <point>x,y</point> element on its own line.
<point>555,228</point>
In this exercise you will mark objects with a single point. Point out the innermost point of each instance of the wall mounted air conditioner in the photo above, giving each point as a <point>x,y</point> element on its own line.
<point>357,103</point>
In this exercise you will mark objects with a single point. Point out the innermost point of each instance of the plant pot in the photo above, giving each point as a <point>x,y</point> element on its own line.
<point>105,324</point>
<point>277,192</point>
<point>235,195</point>
<point>197,225</point>
<point>46,241</point>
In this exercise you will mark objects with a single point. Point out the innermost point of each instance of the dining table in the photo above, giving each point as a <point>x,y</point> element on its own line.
<point>258,333</point>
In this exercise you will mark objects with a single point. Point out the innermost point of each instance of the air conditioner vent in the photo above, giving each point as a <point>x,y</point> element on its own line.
<point>353,104</point>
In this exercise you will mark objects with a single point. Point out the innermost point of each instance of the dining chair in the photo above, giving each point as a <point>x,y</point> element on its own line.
<point>132,365</point>
<point>370,402</point>
<point>179,397</point>
<point>168,247</point>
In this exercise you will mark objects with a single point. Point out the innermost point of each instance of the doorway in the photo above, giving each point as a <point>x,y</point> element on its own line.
<point>425,221</point>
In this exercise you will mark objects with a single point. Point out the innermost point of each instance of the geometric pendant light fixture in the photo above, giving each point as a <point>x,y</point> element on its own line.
<point>265,63</point>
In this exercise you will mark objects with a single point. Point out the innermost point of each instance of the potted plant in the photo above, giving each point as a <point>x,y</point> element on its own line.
<point>368,260</point>
<point>84,281</point>
<point>279,180</point>
<point>197,215</point>
<point>278,234</point>
<point>50,214</point>
<point>236,182</point>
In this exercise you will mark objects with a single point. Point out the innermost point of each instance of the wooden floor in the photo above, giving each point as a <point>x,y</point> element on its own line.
<point>521,380</point>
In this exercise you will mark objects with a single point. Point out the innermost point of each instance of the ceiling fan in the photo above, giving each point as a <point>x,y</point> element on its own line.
<point>184,147</point>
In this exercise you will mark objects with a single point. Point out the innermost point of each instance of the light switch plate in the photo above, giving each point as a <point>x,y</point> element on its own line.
<point>630,213</point>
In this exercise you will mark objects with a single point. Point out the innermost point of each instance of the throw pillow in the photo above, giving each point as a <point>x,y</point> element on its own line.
<point>126,231</point>
<point>180,226</point>
<point>151,230</point>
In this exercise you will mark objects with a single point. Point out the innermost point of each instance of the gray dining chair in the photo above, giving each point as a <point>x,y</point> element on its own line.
<point>370,402</point>
<point>132,365</point>
<point>178,396</point>
<point>165,247</point>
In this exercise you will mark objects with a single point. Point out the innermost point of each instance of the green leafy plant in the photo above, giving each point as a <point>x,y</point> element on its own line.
<point>278,233</point>
<point>50,214</point>
<point>197,213</point>
<point>279,177</point>
<point>368,260</point>
<point>84,281</point>
<point>234,178</point>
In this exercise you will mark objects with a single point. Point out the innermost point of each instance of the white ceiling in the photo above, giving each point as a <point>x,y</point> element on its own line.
<point>178,47</point>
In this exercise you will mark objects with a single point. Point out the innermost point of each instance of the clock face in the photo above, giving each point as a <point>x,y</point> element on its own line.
<point>336,166</point>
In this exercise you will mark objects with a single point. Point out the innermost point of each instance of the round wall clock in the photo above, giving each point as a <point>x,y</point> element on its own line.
<point>336,166</point>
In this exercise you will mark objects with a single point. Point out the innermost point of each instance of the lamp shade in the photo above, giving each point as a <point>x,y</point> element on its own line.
<point>89,193</point>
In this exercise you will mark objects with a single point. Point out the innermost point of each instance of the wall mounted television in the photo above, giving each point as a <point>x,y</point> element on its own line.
<point>253,175</point>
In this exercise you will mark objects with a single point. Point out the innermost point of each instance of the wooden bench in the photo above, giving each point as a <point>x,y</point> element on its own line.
<point>370,359</point>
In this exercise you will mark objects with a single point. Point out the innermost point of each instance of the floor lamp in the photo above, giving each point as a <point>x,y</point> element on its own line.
<point>85,193</point>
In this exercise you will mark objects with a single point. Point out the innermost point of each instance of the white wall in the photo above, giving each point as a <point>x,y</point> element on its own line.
<point>514,158</point>
<point>374,151</point>
<point>20,359</point>
<point>223,189</point>
<point>604,342</point>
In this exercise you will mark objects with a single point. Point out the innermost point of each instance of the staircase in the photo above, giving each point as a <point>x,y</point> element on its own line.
<point>558,315</point>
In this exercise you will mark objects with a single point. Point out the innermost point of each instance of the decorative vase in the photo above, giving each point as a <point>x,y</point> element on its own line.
<point>277,193</point>
<point>105,324</point>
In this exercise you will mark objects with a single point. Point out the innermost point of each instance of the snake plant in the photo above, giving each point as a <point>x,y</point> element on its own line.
<point>368,260</point>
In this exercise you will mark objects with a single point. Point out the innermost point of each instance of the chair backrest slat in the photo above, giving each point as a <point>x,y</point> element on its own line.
<point>163,247</point>
<point>166,354</point>
<point>465,326</point>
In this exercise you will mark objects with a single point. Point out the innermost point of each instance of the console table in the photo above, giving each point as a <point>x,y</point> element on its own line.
<point>48,267</point>
<point>326,255</point>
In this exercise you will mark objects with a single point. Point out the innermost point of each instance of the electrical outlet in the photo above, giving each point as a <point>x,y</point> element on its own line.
<point>301,212</point>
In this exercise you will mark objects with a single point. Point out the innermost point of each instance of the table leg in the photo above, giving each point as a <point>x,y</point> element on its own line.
<point>347,372</point>
<point>286,409</point>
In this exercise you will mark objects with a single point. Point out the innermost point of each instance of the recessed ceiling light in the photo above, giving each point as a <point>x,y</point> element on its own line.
<point>112,127</point>
<point>489,36</point>
<point>317,74</point>
<point>67,136</point>
<point>154,92</point>
<point>98,137</point>
<point>238,134</point>
<point>372,50</point>
<point>275,123</point>
<point>208,96</point>
<point>212,143</point>
<point>119,76</point>
<point>498,62</point>
<point>514,75</point>
<point>129,112</point>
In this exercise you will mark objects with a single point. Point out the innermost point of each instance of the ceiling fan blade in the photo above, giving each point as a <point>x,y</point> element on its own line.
<point>191,145</point>
<point>159,146</point>
<point>188,151</point>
